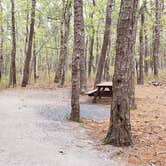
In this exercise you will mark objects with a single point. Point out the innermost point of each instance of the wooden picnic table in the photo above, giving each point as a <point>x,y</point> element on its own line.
<point>103,89</point>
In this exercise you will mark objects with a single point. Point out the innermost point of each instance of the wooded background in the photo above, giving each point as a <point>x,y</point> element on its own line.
<point>36,40</point>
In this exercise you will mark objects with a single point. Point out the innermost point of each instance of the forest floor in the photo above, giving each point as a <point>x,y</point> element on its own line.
<point>148,127</point>
<point>34,130</point>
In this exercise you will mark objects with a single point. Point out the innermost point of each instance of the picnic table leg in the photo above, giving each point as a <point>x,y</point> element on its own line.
<point>96,94</point>
<point>100,92</point>
<point>110,91</point>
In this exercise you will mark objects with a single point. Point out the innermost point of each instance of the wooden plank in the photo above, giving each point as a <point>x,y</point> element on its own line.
<point>105,84</point>
<point>92,92</point>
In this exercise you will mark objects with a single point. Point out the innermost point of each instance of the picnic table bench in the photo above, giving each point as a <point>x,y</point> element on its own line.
<point>102,90</point>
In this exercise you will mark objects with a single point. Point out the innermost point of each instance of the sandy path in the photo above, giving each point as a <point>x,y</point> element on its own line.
<point>35,132</point>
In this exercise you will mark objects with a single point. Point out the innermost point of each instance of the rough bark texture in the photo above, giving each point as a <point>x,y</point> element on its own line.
<point>156,36</point>
<point>1,40</point>
<point>119,133</point>
<point>29,49</point>
<point>77,53</point>
<point>12,80</point>
<point>141,52</point>
<point>105,43</point>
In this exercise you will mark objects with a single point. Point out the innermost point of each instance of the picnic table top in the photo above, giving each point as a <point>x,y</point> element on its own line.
<point>105,84</point>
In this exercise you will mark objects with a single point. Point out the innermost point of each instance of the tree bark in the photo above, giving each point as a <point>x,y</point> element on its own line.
<point>91,57</point>
<point>1,41</point>
<point>107,75</point>
<point>27,29</point>
<point>29,49</point>
<point>77,53</point>
<point>119,133</point>
<point>58,73</point>
<point>12,80</point>
<point>141,52</point>
<point>66,39</point>
<point>146,61</point>
<point>65,29</point>
<point>81,38</point>
<point>34,59</point>
<point>97,47</point>
<point>105,43</point>
<point>91,46</point>
<point>156,37</point>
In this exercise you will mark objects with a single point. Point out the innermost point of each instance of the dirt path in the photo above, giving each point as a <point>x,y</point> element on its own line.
<point>34,131</point>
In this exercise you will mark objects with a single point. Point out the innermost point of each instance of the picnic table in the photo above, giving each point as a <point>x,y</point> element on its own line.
<point>103,89</point>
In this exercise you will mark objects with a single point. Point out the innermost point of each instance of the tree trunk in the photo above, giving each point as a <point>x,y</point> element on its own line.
<point>156,37</point>
<point>91,57</point>
<point>86,52</point>
<point>1,41</point>
<point>29,49</point>
<point>27,29</point>
<point>58,73</point>
<point>107,76</point>
<point>119,133</point>
<point>105,43</point>
<point>77,53</point>
<point>13,53</point>
<point>81,39</point>
<point>34,59</point>
<point>91,46</point>
<point>146,61</point>
<point>66,39</point>
<point>141,40</point>
<point>97,47</point>
<point>65,29</point>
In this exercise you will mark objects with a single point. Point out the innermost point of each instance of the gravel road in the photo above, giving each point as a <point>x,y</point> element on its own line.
<point>34,130</point>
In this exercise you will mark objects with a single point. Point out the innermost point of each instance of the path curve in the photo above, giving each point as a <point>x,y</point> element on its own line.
<point>34,131</point>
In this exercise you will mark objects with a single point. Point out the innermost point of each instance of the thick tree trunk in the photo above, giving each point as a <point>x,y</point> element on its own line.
<point>77,53</point>
<point>105,43</point>
<point>12,80</point>
<point>156,37</point>
<point>1,41</point>
<point>119,133</point>
<point>29,49</point>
